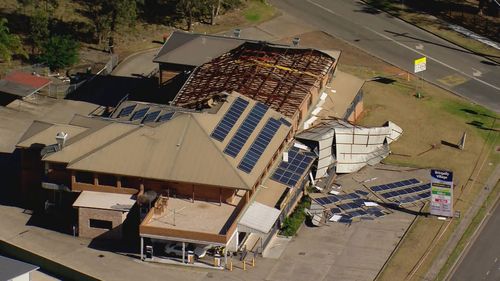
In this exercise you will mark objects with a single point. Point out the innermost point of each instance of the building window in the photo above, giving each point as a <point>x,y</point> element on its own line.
<point>102,224</point>
<point>85,177</point>
<point>108,180</point>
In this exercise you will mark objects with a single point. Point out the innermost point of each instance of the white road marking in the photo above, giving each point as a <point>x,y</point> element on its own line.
<point>496,259</point>
<point>476,73</point>
<point>409,48</point>
<point>488,272</point>
<point>419,47</point>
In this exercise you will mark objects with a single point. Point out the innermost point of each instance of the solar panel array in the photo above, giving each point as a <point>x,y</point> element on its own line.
<point>349,206</point>
<point>408,190</point>
<point>285,122</point>
<point>151,117</point>
<point>165,117</point>
<point>246,129</point>
<point>397,184</point>
<point>327,200</point>
<point>290,172</point>
<point>259,145</point>
<point>139,113</point>
<point>413,198</point>
<point>227,122</point>
<point>126,111</point>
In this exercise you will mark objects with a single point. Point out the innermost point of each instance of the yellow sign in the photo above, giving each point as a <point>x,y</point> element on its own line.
<point>420,64</point>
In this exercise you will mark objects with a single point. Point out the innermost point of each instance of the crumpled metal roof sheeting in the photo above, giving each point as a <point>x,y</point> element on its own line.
<point>356,146</point>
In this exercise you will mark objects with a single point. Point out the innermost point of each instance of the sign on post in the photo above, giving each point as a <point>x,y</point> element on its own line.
<point>420,64</point>
<point>442,193</point>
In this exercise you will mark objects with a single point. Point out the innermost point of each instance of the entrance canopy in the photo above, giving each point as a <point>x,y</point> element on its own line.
<point>105,201</point>
<point>259,218</point>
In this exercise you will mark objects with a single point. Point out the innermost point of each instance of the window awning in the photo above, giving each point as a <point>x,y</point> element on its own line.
<point>259,218</point>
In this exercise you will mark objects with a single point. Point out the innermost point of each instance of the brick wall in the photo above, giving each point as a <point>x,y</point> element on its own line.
<point>116,218</point>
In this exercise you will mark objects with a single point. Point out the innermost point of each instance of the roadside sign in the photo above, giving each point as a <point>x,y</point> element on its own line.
<point>420,64</point>
<point>442,193</point>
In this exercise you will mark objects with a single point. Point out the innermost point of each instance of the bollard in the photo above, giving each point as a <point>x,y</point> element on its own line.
<point>253,262</point>
<point>244,265</point>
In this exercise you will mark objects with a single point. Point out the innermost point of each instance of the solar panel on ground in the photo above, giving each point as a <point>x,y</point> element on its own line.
<point>344,207</point>
<point>227,122</point>
<point>364,193</point>
<point>295,166</point>
<point>139,113</point>
<point>345,219</point>
<point>335,211</point>
<point>126,110</point>
<point>259,145</point>
<point>246,129</point>
<point>359,201</point>
<point>165,117</point>
<point>150,117</point>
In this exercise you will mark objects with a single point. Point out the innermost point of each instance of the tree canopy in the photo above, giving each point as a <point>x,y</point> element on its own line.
<point>10,44</point>
<point>59,51</point>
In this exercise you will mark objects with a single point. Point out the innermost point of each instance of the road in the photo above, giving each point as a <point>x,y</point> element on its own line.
<point>482,261</point>
<point>400,43</point>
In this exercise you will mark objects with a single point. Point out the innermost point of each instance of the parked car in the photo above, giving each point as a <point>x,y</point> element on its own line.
<point>176,249</point>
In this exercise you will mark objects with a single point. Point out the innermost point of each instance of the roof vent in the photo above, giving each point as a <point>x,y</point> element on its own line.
<point>61,138</point>
<point>295,41</point>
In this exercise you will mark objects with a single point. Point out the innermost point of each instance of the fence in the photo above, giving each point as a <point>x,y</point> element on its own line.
<point>61,90</point>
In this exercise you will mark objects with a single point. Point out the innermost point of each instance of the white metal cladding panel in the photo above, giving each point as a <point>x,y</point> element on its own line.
<point>325,156</point>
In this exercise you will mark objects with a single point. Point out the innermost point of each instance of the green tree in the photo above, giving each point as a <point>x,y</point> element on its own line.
<point>10,44</point>
<point>39,30</point>
<point>59,52</point>
<point>188,10</point>
<point>108,16</point>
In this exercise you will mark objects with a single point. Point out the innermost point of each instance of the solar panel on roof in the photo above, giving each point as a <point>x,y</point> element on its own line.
<point>285,122</point>
<point>246,129</point>
<point>150,117</point>
<point>259,145</point>
<point>165,117</point>
<point>227,122</point>
<point>139,113</point>
<point>126,110</point>
<point>290,172</point>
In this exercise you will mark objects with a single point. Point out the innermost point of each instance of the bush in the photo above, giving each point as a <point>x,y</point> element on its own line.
<point>292,223</point>
<point>59,52</point>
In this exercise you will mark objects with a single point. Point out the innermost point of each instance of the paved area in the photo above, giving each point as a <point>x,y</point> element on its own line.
<point>75,252</point>
<point>483,259</point>
<point>399,43</point>
<point>139,64</point>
